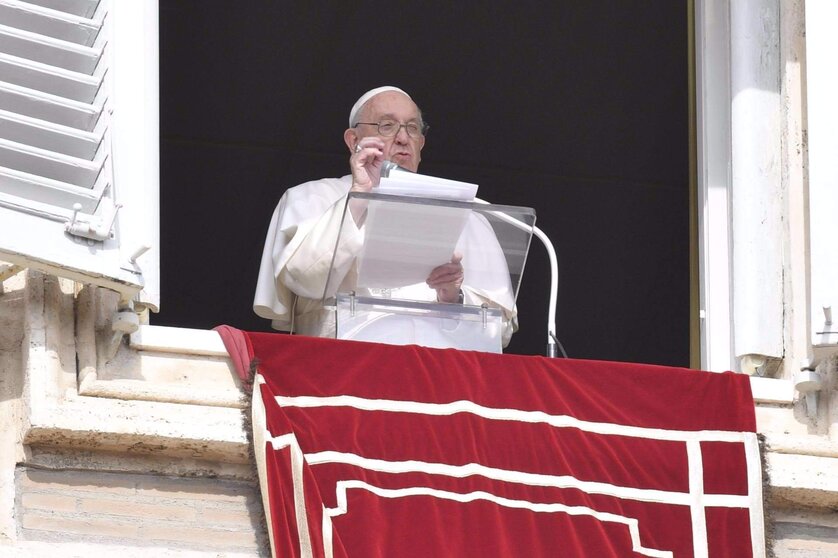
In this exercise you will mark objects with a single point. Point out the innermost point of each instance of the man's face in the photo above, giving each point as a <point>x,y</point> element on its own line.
<point>403,149</point>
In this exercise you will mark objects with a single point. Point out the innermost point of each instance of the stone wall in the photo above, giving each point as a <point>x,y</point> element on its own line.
<point>805,533</point>
<point>144,510</point>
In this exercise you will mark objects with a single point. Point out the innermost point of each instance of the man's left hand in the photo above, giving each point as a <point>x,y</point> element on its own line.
<point>447,279</point>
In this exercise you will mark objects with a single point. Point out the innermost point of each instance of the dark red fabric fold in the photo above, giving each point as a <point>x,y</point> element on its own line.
<point>239,348</point>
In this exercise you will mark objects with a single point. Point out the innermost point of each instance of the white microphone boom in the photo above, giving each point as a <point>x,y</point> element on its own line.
<point>552,340</point>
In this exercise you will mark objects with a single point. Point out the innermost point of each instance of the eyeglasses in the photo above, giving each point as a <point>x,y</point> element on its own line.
<point>389,128</point>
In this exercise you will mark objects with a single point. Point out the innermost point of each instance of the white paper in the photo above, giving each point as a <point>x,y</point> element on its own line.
<point>404,242</point>
<point>410,184</point>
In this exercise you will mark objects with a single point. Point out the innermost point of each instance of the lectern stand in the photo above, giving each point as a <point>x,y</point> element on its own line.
<point>382,296</point>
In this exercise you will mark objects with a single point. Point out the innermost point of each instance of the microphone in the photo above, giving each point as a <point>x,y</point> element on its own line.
<point>389,166</point>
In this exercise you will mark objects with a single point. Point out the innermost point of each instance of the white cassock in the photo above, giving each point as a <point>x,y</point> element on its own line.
<point>298,257</point>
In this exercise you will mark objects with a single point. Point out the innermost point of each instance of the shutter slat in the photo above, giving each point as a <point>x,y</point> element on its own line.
<point>47,50</point>
<point>52,108</point>
<point>49,164</point>
<point>49,22</point>
<point>49,79</point>
<point>49,136</point>
<point>83,8</point>
<point>54,196</point>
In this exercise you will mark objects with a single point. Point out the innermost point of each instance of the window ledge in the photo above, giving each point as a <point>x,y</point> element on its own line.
<point>159,364</point>
<point>164,339</point>
<point>772,391</point>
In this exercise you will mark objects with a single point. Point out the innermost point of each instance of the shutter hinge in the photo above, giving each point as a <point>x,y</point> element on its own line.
<point>93,228</point>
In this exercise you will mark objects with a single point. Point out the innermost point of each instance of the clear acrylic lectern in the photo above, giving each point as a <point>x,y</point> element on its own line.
<point>384,254</point>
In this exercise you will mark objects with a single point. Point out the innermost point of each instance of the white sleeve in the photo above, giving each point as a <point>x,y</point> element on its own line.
<point>297,255</point>
<point>306,262</point>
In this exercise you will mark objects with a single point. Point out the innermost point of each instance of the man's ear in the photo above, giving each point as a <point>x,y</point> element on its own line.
<point>350,137</point>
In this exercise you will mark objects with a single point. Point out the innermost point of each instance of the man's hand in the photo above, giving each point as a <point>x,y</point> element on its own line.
<point>365,164</point>
<point>447,279</point>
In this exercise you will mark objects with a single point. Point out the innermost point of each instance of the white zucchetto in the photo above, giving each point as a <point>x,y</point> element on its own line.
<point>353,114</point>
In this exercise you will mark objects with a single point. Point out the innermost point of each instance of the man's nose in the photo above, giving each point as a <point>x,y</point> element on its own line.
<point>402,136</point>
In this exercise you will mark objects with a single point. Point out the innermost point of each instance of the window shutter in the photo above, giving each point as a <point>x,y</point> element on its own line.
<point>822,121</point>
<point>74,75</point>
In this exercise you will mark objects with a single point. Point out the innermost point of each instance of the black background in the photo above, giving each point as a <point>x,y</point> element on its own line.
<point>578,109</point>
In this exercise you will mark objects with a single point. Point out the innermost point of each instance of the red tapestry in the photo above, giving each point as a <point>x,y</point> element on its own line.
<point>370,450</point>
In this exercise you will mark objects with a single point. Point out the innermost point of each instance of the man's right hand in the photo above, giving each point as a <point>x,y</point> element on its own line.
<point>447,279</point>
<point>365,164</point>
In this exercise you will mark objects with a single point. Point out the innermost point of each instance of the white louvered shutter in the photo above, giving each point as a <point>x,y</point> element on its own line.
<point>79,141</point>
